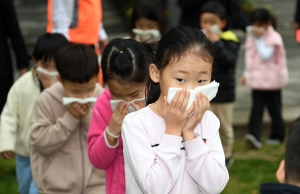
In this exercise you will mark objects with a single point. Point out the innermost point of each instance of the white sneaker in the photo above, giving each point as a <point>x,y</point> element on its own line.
<point>273,142</point>
<point>253,141</point>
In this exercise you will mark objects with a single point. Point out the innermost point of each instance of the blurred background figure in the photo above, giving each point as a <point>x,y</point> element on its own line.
<point>79,21</point>
<point>191,11</point>
<point>148,21</point>
<point>10,31</point>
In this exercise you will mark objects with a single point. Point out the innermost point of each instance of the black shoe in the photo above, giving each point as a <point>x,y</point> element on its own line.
<point>229,162</point>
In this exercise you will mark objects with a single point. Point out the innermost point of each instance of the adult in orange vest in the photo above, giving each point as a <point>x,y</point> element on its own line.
<point>80,21</point>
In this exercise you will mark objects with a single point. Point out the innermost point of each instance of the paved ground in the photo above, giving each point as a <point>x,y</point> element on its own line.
<point>32,17</point>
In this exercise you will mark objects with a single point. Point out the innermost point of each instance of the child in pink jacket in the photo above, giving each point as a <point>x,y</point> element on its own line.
<point>266,74</point>
<point>125,65</point>
<point>170,147</point>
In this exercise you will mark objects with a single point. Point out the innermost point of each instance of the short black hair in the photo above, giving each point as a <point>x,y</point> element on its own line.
<point>47,45</point>
<point>292,153</point>
<point>150,9</point>
<point>127,61</point>
<point>77,63</point>
<point>214,7</point>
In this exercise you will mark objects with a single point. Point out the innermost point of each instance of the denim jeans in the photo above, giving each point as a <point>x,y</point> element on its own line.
<point>24,177</point>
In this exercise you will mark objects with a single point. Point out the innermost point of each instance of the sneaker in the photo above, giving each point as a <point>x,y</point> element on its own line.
<point>229,162</point>
<point>253,141</point>
<point>273,142</point>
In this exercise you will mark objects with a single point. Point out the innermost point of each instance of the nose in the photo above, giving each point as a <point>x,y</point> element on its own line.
<point>192,86</point>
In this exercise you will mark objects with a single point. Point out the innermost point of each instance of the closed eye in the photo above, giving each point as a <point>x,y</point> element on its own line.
<point>180,80</point>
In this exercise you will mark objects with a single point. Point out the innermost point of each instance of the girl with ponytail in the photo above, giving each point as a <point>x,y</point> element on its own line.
<point>125,65</point>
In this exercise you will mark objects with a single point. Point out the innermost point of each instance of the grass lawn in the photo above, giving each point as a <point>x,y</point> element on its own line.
<point>250,168</point>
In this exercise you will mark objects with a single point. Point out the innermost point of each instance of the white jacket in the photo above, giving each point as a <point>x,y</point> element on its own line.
<point>16,115</point>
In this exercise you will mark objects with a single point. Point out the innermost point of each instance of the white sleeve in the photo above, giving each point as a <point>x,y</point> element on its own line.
<point>206,164</point>
<point>9,120</point>
<point>63,14</point>
<point>155,171</point>
<point>102,33</point>
<point>264,52</point>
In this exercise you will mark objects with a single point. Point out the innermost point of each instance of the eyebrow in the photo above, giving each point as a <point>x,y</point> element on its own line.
<point>137,91</point>
<point>185,72</point>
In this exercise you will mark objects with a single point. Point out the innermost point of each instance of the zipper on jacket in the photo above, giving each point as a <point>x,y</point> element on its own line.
<point>82,159</point>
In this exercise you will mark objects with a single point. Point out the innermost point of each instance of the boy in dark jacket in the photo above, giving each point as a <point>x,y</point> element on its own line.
<point>288,173</point>
<point>225,44</point>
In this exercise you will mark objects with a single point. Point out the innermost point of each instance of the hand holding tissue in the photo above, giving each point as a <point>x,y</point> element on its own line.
<point>114,104</point>
<point>210,90</point>
<point>141,35</point>
<point>68,100</point>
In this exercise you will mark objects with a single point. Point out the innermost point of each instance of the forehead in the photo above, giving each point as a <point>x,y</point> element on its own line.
<point>210,16</point>
<point>145,21</point>
<point>123,89</point>
<point>190,63</point>
<point>80,86</point>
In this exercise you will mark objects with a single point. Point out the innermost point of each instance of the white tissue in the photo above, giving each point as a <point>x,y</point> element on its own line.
<point>68,100</point>
<point>49,73</point>
<point>114,104</point>
<point>210,90</point>
<point>146,35</point>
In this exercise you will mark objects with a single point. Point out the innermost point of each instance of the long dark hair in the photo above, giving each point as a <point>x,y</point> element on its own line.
<point>150,9</point>
<point>174,45</point>
<point>126,61</point>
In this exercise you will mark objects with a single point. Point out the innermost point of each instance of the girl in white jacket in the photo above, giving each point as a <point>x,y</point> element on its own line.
<point>16,115</point>
<point>170,147</point>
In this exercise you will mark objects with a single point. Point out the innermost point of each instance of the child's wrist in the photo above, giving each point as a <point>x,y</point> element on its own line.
<point>188,135</point>
<point>172,131</point>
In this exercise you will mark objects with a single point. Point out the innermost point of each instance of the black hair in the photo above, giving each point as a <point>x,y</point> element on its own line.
<point>77,63</point>
<point>263,16</point>
<point>292,150</point>
<point>214,7</point>
<point>150,9</point>
<point>47,45</point>
<point>126,61</point>
<point>175,44</point>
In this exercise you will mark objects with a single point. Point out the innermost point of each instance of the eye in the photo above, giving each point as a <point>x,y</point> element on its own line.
<point>201,81</point>
<point>180,80</point>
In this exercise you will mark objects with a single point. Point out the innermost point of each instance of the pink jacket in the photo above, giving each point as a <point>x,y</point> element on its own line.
<point>159,163</point>
<point>101,154</point>
<point>266,75</point>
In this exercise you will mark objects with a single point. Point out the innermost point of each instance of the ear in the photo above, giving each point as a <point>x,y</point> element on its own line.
<point>154,73</point>
<point>58,78</point>
<point>280,174</point>
<point>223,24</point>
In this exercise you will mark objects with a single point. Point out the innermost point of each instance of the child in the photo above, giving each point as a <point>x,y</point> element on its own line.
<point>225,46</point>
<point>59,153</point>
<point>148,21</point>
<point>166,148</point>
<point>266,74</point>
<point>16,115</point>
<point>288,173</point>
<point>125,65</point>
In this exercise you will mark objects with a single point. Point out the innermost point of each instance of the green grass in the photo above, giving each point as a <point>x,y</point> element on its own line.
<point>8,182</point>
<point>250,168</point>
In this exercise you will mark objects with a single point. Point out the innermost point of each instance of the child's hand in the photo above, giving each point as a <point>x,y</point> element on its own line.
<point>137,105</point>
<point>8,154</point>
<point>46,80</point>
<point>242,80</point>
<point>117,117</point>
<point>175,114</point>
<point>201,105</point>
<point>79,110</point>
<point>212,36</point>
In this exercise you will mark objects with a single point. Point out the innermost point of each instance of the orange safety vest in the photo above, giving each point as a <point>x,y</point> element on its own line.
<point>79,20</point>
